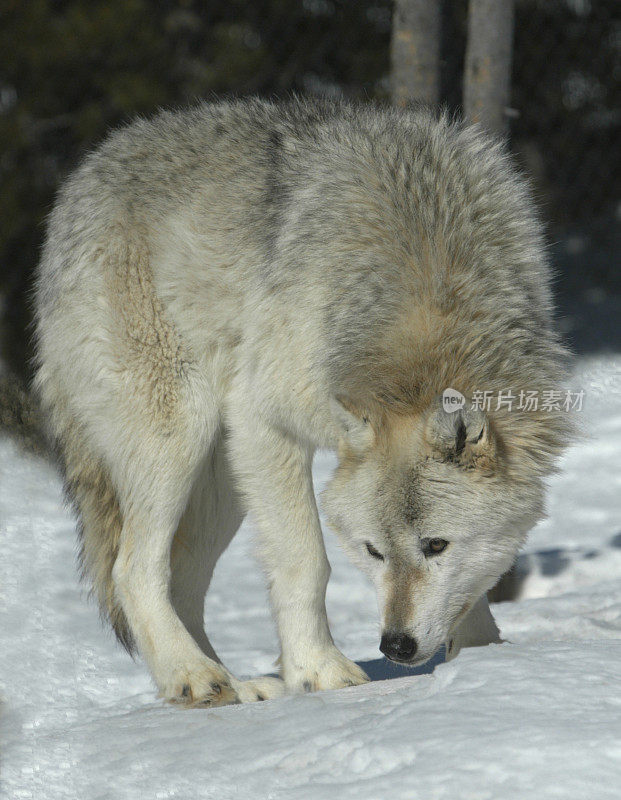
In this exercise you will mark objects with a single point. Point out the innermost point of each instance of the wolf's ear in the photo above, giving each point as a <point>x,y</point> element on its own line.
<point>353,424</point>
<point>465,437</point>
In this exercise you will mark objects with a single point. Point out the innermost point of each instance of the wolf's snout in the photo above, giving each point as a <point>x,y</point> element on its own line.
<point>398,646</point>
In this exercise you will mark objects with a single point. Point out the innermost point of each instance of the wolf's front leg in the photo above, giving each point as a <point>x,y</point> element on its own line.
<point>275,475</point>
<point>476,629</point>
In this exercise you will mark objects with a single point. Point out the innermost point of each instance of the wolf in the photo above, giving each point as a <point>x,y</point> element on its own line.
<point>223,290</point>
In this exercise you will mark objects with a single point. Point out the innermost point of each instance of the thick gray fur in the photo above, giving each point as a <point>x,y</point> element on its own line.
<point>227,288</point>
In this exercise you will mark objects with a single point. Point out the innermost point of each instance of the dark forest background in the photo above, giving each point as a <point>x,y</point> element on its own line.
<point>71,69</point>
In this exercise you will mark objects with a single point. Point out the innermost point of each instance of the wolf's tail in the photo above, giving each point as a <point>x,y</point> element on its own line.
<point>87,485</point>
<point>20,415</point>
<point>89,488</point>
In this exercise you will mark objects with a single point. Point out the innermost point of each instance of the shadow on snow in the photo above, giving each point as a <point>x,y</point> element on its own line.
<point>381,669</point>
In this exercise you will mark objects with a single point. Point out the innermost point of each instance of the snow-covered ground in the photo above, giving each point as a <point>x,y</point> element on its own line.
<point>537,718</point>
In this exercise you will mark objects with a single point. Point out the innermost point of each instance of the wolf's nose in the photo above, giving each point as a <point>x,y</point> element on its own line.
<point>398,646</point>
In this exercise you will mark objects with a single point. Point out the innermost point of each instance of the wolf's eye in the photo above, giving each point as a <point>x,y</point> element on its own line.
<point>373,552</point>
<point>431,547</point>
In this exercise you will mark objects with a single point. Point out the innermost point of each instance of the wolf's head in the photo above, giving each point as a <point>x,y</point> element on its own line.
<point>426,505</point>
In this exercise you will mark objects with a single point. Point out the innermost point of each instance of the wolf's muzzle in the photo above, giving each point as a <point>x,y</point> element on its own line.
<point>398,646</point>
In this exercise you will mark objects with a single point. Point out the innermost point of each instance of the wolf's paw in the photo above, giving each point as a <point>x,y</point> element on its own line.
<point>205,686</point>
<point>264,688</point>
<point>332,670</point>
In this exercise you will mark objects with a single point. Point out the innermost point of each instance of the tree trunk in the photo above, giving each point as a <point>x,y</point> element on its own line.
<point>415,51</point>
<point>487,74</point>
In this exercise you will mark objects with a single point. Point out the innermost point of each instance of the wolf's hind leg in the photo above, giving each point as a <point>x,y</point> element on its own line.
<point>477,629</point>
<point>158,475</point>
<point>211,519</point>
